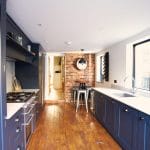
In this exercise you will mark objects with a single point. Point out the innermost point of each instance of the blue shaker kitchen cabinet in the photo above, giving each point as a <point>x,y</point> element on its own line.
<point>100,104</point>
<point>143,132</point>
<point>147,136</point>
<point>127,127</point>
<point>15,132</point>
<point>111,116</point>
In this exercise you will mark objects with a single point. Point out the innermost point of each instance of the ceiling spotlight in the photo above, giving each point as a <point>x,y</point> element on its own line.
<point>68,43</point>
<point>39,24</point>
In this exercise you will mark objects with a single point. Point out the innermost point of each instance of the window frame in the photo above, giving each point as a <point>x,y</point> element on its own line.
<point>134,60</point>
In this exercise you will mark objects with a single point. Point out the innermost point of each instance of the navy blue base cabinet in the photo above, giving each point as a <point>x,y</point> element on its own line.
<point>111,116</point>
<point>15,132</point>
<point>130,127</point>
<point>100,107</point>
<point>127,127</point>
<point>142,139</point>
<point>147,137</point>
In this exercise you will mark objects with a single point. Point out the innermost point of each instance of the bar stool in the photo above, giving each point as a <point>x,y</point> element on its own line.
<point>75,89</point>
<point>88,92</point>
<point>84,92</point>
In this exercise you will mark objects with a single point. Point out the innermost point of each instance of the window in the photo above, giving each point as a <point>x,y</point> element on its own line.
<point>141,71</point>
<point>99,68</point>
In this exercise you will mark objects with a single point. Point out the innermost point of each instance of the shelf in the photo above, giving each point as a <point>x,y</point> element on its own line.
<point>22,49</point>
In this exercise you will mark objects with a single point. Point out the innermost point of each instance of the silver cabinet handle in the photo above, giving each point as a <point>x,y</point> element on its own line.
<point>141,118</point>
<point>28,123</point>
<point>17,130</point>
<point>18,148</point>
<point>126,110</point>
<point>17,119</point>
<point>28,111</point>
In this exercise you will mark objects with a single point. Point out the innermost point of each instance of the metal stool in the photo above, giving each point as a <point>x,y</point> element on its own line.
<point>75,89</point>
<point>88,92</point>
<point>79,92</point>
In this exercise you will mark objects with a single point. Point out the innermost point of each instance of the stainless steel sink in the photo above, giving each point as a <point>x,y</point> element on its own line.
<point>123,95</point>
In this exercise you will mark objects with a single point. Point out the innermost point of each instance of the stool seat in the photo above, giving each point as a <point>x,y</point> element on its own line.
<point>84,92</point>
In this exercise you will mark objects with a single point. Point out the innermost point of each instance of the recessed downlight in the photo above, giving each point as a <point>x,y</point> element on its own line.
<point>39,24</point>
<point>68,43</point>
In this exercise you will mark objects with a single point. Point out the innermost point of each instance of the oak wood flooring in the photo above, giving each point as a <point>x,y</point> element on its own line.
<point>61,128</point>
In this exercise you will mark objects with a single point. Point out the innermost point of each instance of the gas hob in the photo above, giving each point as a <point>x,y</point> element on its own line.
<point>18,97</point>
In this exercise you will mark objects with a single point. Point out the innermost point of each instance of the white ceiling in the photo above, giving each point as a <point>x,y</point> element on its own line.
<point>85,24</point>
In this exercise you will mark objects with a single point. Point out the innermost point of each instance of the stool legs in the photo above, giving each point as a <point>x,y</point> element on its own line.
<point>74,96</point>
<point>78,101</point>
<point>85,98</point>
<point>86,102</point>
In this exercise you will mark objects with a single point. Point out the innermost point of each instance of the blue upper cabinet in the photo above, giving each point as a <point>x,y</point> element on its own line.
<point>18,45</point>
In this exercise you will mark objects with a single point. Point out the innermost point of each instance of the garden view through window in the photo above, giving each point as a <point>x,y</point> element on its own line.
<point>142,65</point>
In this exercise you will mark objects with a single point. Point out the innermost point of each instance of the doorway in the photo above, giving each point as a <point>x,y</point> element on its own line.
<point>54,78</point>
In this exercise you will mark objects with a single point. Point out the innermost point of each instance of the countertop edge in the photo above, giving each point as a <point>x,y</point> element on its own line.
<point>131,102</point>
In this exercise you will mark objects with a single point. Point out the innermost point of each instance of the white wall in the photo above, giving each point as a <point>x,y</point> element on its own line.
<point>120,59</point>
<point>10,73</point>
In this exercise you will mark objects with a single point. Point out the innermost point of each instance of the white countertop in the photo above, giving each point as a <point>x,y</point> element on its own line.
<point>12,108</point>
<point>140,103</point>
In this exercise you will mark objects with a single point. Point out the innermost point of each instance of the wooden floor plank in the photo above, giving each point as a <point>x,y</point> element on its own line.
<point>61,128</point>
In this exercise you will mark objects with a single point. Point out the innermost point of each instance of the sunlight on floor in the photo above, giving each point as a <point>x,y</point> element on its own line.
<point>56,94</point>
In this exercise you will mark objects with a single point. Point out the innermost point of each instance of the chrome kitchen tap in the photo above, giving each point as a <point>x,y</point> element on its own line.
<point>133,83</point>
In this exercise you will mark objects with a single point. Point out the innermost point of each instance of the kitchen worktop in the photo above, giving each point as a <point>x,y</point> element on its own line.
<point>12,108</point>
<point>140,103</point>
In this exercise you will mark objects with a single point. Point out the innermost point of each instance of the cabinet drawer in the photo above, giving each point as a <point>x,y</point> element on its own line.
<point>18,143</point>
<point>14,130</point>
<point>126,109</point>
<point>14,125</point>
<point>16,119</point>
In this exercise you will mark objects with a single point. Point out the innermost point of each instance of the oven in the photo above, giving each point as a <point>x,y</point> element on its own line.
<point>29,117</point>
<point>28,129</point>
<point>29,111</point>
<point>33,105</point>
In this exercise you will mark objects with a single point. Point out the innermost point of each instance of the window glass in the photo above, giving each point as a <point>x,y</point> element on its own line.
<point>142,65</point>
<point>99,68</point>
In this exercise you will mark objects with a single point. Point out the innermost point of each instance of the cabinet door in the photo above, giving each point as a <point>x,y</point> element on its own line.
<point>96,100</point>
<point>140,139</point>
<point>111,115</point>
<point>100,107</point>
<point>147,136</point>
<point>14,130</point>
<point>127,126</point>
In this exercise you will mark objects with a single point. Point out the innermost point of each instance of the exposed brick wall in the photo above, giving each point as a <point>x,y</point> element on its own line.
<point>72,74</point>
